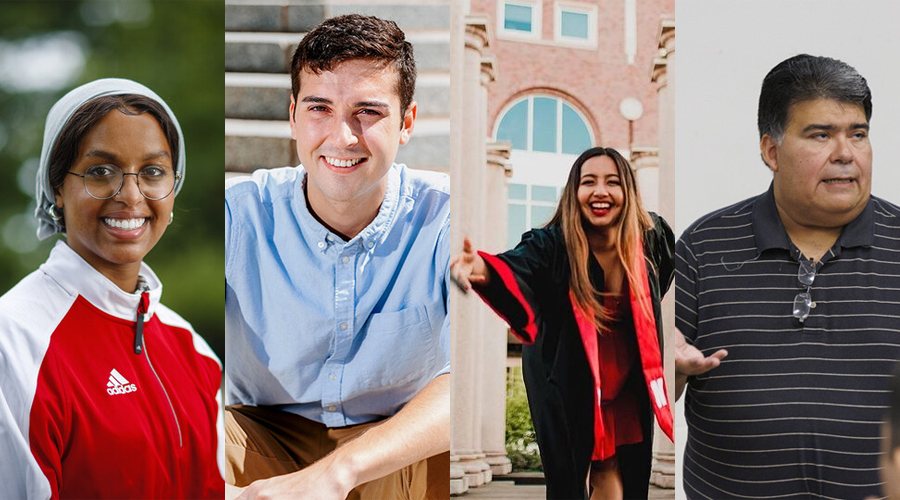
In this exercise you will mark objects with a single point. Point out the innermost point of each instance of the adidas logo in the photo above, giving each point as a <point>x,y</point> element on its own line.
<point>118,385</point>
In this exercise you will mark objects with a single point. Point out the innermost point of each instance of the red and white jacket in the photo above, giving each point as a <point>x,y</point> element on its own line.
<point>81,413</point>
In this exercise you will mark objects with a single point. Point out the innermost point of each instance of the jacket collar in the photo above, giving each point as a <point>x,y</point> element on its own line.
<point>77,277</point>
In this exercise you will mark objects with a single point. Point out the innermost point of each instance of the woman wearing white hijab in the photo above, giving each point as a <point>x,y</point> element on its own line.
<point>105,392</point>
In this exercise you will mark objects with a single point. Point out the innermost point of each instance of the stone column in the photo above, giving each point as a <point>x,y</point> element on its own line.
<point>645,163</point>
<point>459,141</point>
<point>468,190</point>
<point>663,474</point>
<point>493,425</point>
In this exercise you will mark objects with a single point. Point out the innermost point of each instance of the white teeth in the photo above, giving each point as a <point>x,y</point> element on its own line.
<point>126,224</point>
<point>600,205</point>
<point>342,163</point>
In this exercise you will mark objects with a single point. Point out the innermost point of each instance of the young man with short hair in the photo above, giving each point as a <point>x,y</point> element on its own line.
<point>336,296</point>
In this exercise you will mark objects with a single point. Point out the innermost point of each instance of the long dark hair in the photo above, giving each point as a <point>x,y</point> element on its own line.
<point>632,223</point>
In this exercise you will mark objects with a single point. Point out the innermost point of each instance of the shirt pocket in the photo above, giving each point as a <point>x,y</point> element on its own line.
<point>400,347</point>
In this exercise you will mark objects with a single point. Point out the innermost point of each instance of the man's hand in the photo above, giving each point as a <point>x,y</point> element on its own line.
<point>323,480</point>
<point>690,361</point>
<point>468,268</point>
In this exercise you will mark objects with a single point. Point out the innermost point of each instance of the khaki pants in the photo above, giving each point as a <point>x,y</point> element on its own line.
<point>262,442</point>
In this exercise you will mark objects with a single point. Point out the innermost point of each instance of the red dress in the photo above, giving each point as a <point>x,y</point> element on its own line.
<point>619,406</point>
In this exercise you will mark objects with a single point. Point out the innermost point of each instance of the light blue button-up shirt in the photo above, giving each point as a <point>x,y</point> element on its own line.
<point>340,332</point>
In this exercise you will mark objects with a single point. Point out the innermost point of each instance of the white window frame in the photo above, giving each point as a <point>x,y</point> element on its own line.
<point>536,15</point>
<point>529,124</point>
<point>577,8</point>
<point>630,31</point>
<point>529,203</point>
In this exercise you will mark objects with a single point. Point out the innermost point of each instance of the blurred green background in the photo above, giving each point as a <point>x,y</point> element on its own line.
<point>173,47</point>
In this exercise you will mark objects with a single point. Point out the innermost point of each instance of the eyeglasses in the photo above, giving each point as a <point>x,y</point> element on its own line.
<point>803,301</point>
<point>102,182</point>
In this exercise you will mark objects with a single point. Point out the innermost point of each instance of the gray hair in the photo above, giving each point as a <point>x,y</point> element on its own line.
<point>805,78</point>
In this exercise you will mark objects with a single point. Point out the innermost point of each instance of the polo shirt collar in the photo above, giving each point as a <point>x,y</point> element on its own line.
<point>319,236</point>
<point>767,227</point>
<point>770,233</point>
<point>861,230</point>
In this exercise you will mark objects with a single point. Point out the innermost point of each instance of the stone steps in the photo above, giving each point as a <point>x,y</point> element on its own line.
<point>266,52</point>
<point>257,96</point>
<point>271,16</point>
<point>284,15</point>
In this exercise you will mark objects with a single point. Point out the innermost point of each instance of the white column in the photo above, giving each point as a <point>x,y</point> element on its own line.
<point>645,163</point>
<point>459,141</point>
<point>468,199</point>
<point>663,474</point>
<point>493,421</point>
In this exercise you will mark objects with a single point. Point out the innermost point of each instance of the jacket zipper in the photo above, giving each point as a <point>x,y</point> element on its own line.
<point>139,347</point>
<point>139,328</point>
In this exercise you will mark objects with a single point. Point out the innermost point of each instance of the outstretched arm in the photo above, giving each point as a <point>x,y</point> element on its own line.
<point>416,432</point>
<point>468,268</point>
<point>690,361</point>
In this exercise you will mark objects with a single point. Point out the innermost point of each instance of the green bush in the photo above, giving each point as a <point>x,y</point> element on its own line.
<point>521,447</point>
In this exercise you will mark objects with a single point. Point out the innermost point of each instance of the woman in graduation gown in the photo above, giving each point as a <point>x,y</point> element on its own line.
<point>583,294</point>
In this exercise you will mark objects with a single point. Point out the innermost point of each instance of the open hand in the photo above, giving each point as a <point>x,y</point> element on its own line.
<point>468,268</point>
<point>690,361</point>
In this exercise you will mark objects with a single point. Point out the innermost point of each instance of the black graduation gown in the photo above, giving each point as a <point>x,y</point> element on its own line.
<point>556,369</point>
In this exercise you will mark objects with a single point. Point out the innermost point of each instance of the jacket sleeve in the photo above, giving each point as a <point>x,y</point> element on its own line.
<point>520,276</point>
<point>29,468</point>
<point>663,253</point>
<point>19,472</point>
<point>212,370</point>
<point>49,424</point>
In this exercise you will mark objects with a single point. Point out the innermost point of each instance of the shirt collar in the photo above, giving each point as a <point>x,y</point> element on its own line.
<point>767,227</point>
<point>322,238</point>
<point>78,277</point>
<point>770,233</point>
<point>861,230</point>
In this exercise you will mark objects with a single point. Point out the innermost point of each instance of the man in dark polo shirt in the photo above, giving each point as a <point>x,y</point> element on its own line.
<point>789,305</point>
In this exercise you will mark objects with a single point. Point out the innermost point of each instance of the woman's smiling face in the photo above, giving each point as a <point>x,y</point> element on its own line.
<point>115,234</point>
<point>601,195</point>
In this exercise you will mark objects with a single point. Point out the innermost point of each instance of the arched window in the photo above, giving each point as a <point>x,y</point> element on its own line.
<point>547,134</point>
<point>544,124</point>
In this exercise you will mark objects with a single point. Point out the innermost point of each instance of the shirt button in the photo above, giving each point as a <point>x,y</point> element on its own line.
<point>331,408</point>
<point>321,244</point>
<point>371,244</point>
<point>343,326</point>
<point>345,260</point>
<point>331,377</point>
<point>329,238</point>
